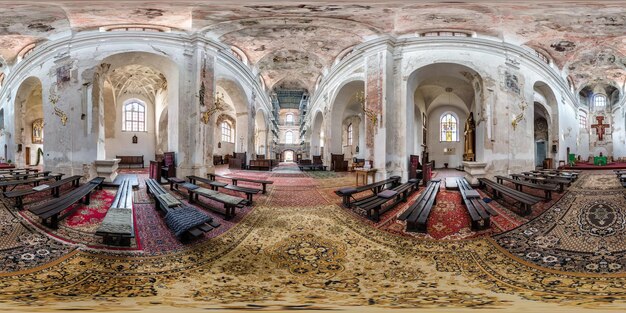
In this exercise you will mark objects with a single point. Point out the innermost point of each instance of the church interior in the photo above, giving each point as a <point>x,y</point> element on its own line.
<point>329,155</point>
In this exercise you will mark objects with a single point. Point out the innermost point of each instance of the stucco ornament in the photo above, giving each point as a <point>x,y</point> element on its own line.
<point>218,105</point>
<point>369,113</point>
<point>54,99</point>
<point>519,117</point>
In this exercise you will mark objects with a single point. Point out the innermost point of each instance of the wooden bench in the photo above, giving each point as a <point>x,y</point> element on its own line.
<point>479,211</point>
<point>375,206</point>
<point>546,180</point>
<point>525,200</point>
<point>230,202</point>
<point>416,215</point>
<point>260,165</point>
<point>186,222</point>
<point>348,193</point>
<point>49,211</point>
<point>312,167</point>
<point>35,181</point>
<point>23,175</point>
<point>519,184</point>
<point>249,192</point>
<point>54,187</point>
<point>131,160</point>
<point>234,180</point>
<point>117,227</point>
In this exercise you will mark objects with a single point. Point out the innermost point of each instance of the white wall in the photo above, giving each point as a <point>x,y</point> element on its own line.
<point>436,147</point>
<point>121,143</point>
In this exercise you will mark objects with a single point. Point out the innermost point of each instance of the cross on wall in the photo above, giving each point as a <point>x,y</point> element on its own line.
<point>600,127</point>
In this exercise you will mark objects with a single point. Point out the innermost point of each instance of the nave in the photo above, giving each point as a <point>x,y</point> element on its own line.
<point>299,248</point>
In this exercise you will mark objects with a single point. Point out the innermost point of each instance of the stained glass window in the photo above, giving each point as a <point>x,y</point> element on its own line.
<point>134,117</point>
<point>449,128</point>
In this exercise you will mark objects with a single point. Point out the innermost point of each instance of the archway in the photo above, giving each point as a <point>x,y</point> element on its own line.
<point>29,123</point>
<point>137,105</point>
<point>440,98</point>
<point>347,110</point>
<point>546,107</point>
<point>317,143</point>
<point>289,156</point>
<point>237,107</point>
<point>541,134</point>
<point>260,135</point>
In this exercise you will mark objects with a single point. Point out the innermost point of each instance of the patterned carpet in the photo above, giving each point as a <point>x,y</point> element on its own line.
<point>309,256</point>
<point>584,231</point>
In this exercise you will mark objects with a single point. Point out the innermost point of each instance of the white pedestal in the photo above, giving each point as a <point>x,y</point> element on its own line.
<point>106,169</point>
<point>474,171</point>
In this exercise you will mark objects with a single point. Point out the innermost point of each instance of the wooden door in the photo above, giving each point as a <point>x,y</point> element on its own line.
<point>27,155</point>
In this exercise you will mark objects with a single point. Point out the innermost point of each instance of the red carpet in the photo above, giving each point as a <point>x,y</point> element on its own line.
<point>588,166</point>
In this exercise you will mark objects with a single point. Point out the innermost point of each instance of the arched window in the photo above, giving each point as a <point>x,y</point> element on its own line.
<point>227,132</point>
<point>289,118</point>
<point>599,101</point>
<point>350,134</point>
<point>449,128</point>
<point>289,137</point>
<point>582,119</point>
<point>134,116</point>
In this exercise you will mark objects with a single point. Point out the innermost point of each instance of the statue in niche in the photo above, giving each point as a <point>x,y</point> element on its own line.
<point>470,129</point>
<point>38,131</point>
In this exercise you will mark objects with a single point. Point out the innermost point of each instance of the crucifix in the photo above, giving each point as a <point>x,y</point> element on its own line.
<point>600,127</point>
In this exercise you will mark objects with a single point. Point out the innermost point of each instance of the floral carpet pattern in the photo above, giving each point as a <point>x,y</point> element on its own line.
<point>583,232</point>
<point>318,257</point>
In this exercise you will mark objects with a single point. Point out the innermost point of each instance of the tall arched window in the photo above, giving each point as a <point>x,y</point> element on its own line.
<point>134,116</point>
<point>289,137</point>
<point>227,132</point>
<point>449,128</point>
<point>289,118</point>
<point>599,101</point>
<point>350,134</point>
<point>582,119</point>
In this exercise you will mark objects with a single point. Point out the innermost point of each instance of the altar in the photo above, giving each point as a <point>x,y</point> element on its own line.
<point>599,160</point>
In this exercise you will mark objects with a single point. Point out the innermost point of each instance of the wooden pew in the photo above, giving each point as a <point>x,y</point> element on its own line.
<point>234,180</point>
<point>49,211</point>
<point>348,193</point>
<point>479,211</point>
<point>525,200</point>
<point>35,181</point>
<point>388,198</point>
<point>546,180</point>
<point>547,188</point>
<point>54,187</point>
<point>186,222</point>
<point>416,215</point>
<point>249,192</point>
<point>118,228</point>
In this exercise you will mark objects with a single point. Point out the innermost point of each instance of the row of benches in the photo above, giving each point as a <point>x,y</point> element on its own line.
<point>186,222</point>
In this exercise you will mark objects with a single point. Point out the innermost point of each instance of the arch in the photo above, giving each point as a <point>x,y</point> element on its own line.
<point>434,90</point>
<point>316,133</point>
<point>114,87</point>
<point>344,103</point>
<point>28,111</point>
<point>261,133</point>
<point>545,100</point>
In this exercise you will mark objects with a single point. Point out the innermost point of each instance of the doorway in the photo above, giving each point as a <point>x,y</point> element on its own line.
<point>288,156</point>
<point>27,155</point>
<point>540,153</point>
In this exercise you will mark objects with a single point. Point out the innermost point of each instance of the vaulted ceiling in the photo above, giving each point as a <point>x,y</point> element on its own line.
<point>287,40</point>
